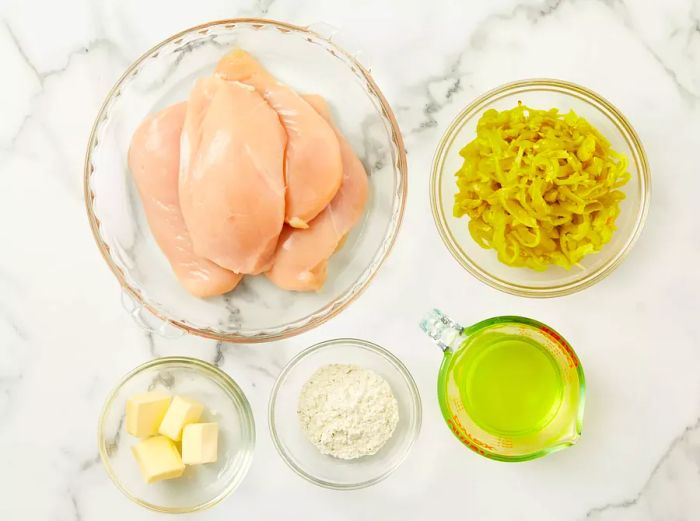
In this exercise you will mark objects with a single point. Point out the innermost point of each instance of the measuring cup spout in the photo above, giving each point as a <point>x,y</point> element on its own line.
<point>566,441</point>
<point>576,425</point>
<point>569,437</point>
<point>443,330</point>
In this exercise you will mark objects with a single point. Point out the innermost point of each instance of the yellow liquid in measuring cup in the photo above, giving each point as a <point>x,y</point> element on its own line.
<point>509,384</point>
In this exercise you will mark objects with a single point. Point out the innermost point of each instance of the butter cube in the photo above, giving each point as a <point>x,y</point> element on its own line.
<point>145,412</point>
<point>181,412</point>
<point>200,443</point>
<point>158,459</point>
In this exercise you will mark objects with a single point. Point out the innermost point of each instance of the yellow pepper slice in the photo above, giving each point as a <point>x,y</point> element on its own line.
<point>540,187</point>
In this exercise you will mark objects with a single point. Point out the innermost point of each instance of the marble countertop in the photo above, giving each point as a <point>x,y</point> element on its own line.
<point>65,340</point>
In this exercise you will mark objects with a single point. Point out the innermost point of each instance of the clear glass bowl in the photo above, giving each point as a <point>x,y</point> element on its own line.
<point>305,459</point>
<point>556,281</point>
<point>202,486</point>
<point>256,310</point>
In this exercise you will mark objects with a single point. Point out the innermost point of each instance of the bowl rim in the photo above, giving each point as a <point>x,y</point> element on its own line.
<point>234,391</point>
<point>332,308</point>
<point>591,98</point>
<point>416,403</point>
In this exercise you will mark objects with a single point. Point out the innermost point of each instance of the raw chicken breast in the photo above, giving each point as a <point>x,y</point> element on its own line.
<point>154,158</point>
<point>313,166</point>
<point>231,179</point>
<point>301,259</point>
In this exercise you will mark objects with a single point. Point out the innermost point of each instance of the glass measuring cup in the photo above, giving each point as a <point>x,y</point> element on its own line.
<point>560,424</point>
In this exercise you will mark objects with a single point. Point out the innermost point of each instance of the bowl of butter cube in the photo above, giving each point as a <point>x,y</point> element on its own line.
<point>176,435</point>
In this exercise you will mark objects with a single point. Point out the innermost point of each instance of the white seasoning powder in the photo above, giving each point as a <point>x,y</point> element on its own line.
<point>347,411</point>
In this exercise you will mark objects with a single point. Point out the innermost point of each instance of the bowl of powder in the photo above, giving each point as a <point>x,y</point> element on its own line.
<point>344,413</point>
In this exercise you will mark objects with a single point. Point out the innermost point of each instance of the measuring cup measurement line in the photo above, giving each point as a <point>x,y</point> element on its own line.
<point>563,344</point>
<point>458,427</point>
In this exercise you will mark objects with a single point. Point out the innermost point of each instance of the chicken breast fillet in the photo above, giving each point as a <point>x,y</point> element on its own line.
<point>154,157</point>
<point>301,259</point>
<point>313,166</point>
<point>231,177</point>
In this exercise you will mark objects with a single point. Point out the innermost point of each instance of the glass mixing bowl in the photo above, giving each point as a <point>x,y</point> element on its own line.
<point>202,486</point>
<point>305,459</point>
<point>257,310</point>
<point>555,281</point>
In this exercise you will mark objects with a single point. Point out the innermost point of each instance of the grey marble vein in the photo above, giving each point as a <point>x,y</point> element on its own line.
<point>112,444</point>
<point>624,13</point>
<point>151,344</point>
<point>456,70</point>
<point>233,319</point>
<point>76,508</point>
<point>72,490</point>
<point>683,438</point>
<point>427,120</point>
<point>89,463</point>
<point>252,357</point>
<point>219,358</point>
<point>39,75</point>
<point>687,94</point>
<point>180,53</point>
<point>376,155</point>
<point>43,76</point>
<point>164,378</point>
<point>12,323</point>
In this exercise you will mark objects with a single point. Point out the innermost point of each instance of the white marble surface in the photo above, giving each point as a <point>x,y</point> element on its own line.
<point>64,339</point>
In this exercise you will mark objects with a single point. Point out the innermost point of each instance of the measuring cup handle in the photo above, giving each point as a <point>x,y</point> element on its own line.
<point>442,329</point>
